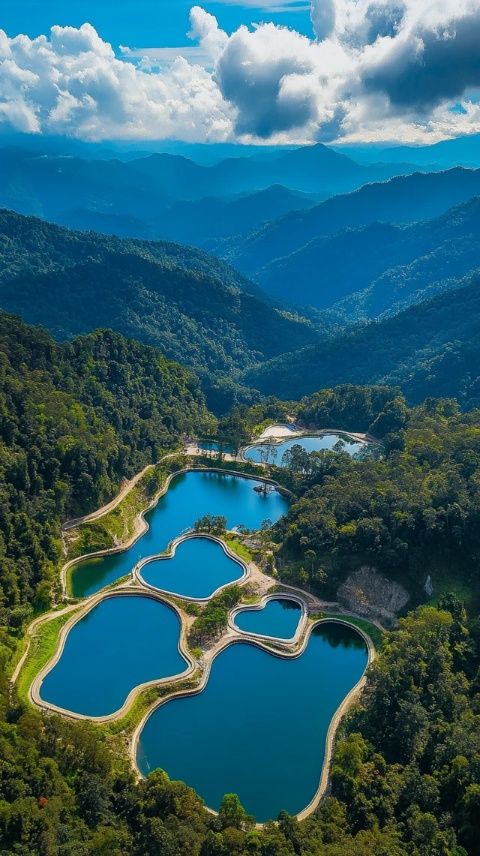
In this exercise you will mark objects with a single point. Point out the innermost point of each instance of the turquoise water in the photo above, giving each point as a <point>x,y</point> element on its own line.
<point>258,728</point>
<point>198,568</point>
<point>275,451</point>
<point>121,643</point>
<point>190,496</point>
<point>279,617</point>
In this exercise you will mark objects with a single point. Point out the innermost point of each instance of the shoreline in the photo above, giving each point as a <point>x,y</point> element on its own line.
<point>142,526</point>
<point>91,604</point>
<point>170,554</point>
<point>243,638</point>
<point>135,585</point>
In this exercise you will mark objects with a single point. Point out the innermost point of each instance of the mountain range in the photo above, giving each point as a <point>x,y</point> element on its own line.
<point>402,200</point>
<point>381,268</point>
<point>168,196</point>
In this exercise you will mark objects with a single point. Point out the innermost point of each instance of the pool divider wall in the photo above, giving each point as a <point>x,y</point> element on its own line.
<point>90,604</point>
<point>234,635</point>
<point>246,639</point>
<point>142,525</point>
<point>293,640</point>
<point>169,555</point>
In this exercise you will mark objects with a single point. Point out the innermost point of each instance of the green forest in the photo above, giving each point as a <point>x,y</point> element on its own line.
<point>75,419</point>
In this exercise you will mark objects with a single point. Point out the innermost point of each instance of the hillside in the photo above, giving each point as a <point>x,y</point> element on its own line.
<point>432,349</point>
<point>379,268</point>
<point>191,306</point>
<point>405,199</point>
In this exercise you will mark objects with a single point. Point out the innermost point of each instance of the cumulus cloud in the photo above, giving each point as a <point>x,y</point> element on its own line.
<point>323,15</point>
<point>72,83</point>
<point>374,69</point>
<point>428,62</point>
<point>268,75</point>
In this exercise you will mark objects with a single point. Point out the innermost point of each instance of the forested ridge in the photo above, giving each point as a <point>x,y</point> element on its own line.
<point>194,308</point>
<point>410,513</point>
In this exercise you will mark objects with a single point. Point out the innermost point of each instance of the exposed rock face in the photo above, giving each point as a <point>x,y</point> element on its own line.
<point>373,595</point>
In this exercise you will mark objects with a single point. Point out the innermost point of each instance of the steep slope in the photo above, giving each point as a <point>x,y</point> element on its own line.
<point>189,305</point>
<point>429,349</point>
<point>379,268</point>
<point>402,200</point>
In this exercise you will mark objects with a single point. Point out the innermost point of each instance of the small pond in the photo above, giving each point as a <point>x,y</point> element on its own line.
<point>122,642</point>
<point>190,496</point>
<point>273,453</point>
<point>258,728</point>
<point>199,567</point>
<point>279,617</point>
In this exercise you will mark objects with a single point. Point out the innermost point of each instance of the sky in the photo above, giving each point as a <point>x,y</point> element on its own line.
<point>248,71</point>
<point>143,23</point>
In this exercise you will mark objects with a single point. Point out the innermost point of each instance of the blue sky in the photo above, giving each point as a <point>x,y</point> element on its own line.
<point>142,23</point>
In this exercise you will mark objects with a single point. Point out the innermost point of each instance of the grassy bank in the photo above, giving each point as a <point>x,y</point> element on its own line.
<point>118,526</point>
<point>43,644</point>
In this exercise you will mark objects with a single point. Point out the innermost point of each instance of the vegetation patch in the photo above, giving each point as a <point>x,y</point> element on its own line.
<point>43,644</point>
<point>213,620</point>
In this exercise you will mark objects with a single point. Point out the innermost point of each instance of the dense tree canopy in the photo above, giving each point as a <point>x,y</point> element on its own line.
<point>411,513</point>
<point>75,420</point>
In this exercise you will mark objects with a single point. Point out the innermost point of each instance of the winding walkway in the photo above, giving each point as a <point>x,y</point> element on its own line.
<point>264,585</point>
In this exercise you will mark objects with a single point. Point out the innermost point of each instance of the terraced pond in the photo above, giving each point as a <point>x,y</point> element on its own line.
<point>259,726</point>
<point>122,642</point>
<point>199,567</point>
<point>273,452</point>
<point>190,496</point>
<point>279,617</point>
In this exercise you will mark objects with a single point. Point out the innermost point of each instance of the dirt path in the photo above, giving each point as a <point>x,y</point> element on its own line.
<point>124,490</point>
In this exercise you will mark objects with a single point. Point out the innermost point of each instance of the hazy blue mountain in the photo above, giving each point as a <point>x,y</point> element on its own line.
<point>310,169</point>
<point>461,151</point>
<point>429,349</point>
<point>112,197</point>
<point>379,268</point>
<point>48,185</point>
<point>404,199</point>
<point>199,222</point>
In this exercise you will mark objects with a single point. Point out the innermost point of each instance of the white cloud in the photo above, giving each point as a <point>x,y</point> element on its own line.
<point>72,83</point>
<point>377,69</point>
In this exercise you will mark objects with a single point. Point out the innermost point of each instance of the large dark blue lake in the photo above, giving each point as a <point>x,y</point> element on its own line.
<point>279,617</point>
<point>258,728</point>
<point>273,452</point>
<point>189,497</point>
<point>199,567</point>
<point>122,642</point>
